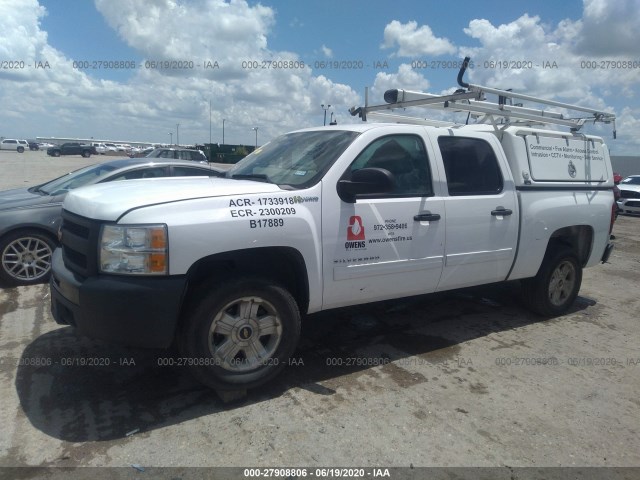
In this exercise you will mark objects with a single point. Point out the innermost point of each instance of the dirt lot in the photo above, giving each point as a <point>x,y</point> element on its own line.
<point>459,379</point>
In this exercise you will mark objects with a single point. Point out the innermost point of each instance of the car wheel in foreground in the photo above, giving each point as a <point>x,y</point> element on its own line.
<point>553,290</point>
<point>20,149</point>
<point>25,258</point>
<point>86,153</point>
<point>56,153</point>
<point>241,334</point>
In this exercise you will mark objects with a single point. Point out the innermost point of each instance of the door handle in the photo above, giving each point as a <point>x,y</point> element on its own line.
<point>426,217</point>
<point>501,211</point>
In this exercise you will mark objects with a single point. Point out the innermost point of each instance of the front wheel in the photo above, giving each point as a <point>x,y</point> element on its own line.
<point>553,290</point>
<point>25,257</point>
<point>86,153</point>
<point>241,334</point>
<point>20,149</point>
<point>56,153</point>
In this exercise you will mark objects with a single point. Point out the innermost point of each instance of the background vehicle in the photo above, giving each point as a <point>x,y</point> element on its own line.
<point>179,153</point>
<point>13,144</point>
<point>142,152</point>
<point>629,201</point>
<point>101,148</point>
<point>30,217</point>
<point>33,145</point>
<point>72,148</point>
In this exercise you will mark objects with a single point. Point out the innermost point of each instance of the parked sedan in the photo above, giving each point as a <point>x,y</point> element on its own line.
<point>629,201</point>
<point>30,217</point>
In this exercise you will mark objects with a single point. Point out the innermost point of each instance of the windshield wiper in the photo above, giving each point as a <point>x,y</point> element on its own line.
<point>252,176</point>
<point>38,190</point>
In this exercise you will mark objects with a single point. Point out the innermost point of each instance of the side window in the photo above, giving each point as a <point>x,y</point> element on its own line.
<point>140,173</point>
<point>405,157</point>
<point>197,156</point>
<point>179,171</point>
<point>471,166</point>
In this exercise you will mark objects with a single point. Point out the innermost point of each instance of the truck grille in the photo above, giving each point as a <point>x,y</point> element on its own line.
<point>80,243</point>
<point>629,194</point>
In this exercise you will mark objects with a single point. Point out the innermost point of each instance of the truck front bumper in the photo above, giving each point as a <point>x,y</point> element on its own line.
<point>133,311</point>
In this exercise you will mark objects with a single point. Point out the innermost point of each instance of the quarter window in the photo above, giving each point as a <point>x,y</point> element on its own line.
<point>471,166</point>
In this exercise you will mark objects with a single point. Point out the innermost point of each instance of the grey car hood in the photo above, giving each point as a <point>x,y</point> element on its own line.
<point>22,197</point>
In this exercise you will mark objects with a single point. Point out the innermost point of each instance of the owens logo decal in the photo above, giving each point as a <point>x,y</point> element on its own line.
<point>355,234</point>
<point>355,230</point>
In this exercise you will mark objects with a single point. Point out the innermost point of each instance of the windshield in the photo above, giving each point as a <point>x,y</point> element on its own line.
<point>76,179</point>
<point>296,160</point>
<point>631,181</point>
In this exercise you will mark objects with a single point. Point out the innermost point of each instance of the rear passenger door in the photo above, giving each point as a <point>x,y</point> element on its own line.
<point>481,210</point>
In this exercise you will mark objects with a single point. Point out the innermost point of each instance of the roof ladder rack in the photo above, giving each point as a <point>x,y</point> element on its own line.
<point>471,98</point>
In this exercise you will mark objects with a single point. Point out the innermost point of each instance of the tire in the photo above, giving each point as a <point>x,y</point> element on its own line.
<point>241,334</point>
<point>25,257</point>
<point>20,149</point>
<point>554,289</point>
<point>56,153</point>
<point>86,153</point>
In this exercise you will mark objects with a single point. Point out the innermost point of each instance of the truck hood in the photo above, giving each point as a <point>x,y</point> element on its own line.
<point>109,201</point>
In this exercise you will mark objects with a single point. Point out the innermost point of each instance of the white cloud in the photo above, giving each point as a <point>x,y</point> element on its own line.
<point>559,61</point>
<point>610,28</point>
<point>413,41</point>
<point>63,101</point>
<point>406,78</point>
<point>202,28</point>
<point>327,51</point>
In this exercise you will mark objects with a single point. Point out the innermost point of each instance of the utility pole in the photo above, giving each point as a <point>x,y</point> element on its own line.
<point>223,120</point>
<point>209,121</point>
<point>325,112</point>
<point>256,129</point>
<point>177,134</point>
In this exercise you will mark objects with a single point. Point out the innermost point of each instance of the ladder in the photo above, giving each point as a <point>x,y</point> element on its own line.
<point>471,98</point>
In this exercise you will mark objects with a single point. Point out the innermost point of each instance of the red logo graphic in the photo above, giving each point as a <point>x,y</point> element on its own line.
<point>355,230</point>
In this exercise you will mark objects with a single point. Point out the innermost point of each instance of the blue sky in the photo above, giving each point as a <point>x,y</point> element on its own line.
<point>146,103</point>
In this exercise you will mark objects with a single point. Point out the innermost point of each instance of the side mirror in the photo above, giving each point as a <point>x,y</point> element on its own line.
<point>365,181</point>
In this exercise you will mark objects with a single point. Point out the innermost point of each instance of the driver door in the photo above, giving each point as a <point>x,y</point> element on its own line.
<point>385,245</point>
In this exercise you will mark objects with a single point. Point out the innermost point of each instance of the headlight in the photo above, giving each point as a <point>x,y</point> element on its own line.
<point>134,250</point>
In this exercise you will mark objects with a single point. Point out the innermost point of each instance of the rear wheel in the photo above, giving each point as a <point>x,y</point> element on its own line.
<point>241,334</point>
<point>20,149</point>
<point>553,290</point>
<point>86,153</point>
<point>25,257</point>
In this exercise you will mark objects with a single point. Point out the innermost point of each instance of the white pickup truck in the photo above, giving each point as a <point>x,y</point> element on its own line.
<point>323,218</point>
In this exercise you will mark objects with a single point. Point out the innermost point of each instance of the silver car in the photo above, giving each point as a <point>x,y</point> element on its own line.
<point>30,217</point>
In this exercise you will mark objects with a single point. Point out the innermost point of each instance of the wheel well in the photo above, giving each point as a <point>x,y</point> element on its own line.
<point>28,229</point>
<point>283,265</point>
<point>578,238</point>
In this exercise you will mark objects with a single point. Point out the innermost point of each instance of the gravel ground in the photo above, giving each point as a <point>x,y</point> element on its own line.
<point>467,378</point>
